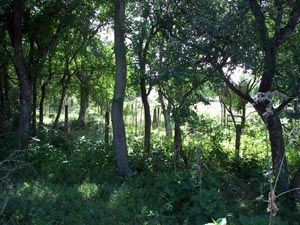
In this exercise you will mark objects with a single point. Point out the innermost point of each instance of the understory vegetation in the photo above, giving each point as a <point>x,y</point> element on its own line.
<point>72,179</point>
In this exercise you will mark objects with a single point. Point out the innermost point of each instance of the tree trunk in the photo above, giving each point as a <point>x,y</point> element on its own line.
<point>238,135</point>
<point>295,183</point>
<point>166,113</point>
<point>177,147</point>
<point>278,152</point>
<point>34,105</point>
<point>119,135</point>
<point>64,85</point>
<point>147,115</point>
<point>4,99</point>
<point>41,107</point>
<point>67,126</point>
<point>15,32</point>
<point>106,131</point>
<point>84,103</point>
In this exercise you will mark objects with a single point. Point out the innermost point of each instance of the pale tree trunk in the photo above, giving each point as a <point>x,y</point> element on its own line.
<point>119,135</point>
<point>15,32</point>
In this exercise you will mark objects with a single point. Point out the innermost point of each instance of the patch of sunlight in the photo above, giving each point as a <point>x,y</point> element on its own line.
<point>88,190</point>
<point>36,189</point>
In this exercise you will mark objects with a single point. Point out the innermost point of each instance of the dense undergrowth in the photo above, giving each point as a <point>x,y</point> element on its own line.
<point>73,180</point>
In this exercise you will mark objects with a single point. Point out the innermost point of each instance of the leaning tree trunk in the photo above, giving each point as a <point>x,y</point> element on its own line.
<point>64,85</point>
<point>119,135</point>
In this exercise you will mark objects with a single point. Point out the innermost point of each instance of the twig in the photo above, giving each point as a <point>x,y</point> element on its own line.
<point>283,193</point>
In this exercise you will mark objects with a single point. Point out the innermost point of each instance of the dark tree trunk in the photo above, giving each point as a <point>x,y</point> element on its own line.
<point>147,115</point>
<point>177,147</point>
<point>67,125</point>
<point>4,99</point>
<point>238,135</point>
<point>64,85</point>
<point>295,183</point>
<point>155,118</point>
<point>34,105</point>
<point>119,135</point>
<point>166,111</point>
<point>15,32</point>
<point>84,103</point>
<point>106,132</point>
<point>41,106</point>
<point>278,152</point>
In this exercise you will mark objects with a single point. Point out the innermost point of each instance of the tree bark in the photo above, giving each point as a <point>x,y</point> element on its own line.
<point>84,103</point>
<point>166,113</point>
<point>119,135</point>
<point>34,105</point>
<point>147,116</point>
<point>64,85</point>
<point>177,147</point>
<point>4,93</point>
<point>106,131</point>
<point>15,33</point>
<point>278,152</point>
<point>41,105</point>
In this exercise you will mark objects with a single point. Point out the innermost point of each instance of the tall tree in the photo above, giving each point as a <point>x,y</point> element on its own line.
<point>119,134</point>
<point>15,23</point>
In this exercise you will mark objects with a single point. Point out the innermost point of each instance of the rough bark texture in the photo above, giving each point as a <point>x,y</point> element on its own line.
<point>15,32</point>
<point>119,135</point>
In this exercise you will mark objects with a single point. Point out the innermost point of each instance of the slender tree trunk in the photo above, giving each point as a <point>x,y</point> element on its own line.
<point>106,132</point>
<point>119,135</point>
<point>147,116</point>
<point>64,85</point>
<point>166,113</point>
<point>41,105</point>
<point>84,103</point>
<point>60,107</point>
<point>67,125</point>
<point>177,147</point>
<point>34,105</point>
<point>15,32</point>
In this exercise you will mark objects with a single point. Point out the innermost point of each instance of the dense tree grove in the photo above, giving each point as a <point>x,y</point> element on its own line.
<point>203,99</point>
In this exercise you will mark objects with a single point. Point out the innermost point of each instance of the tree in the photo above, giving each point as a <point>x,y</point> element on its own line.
<point>15,26</point>
<point>119,135</point>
